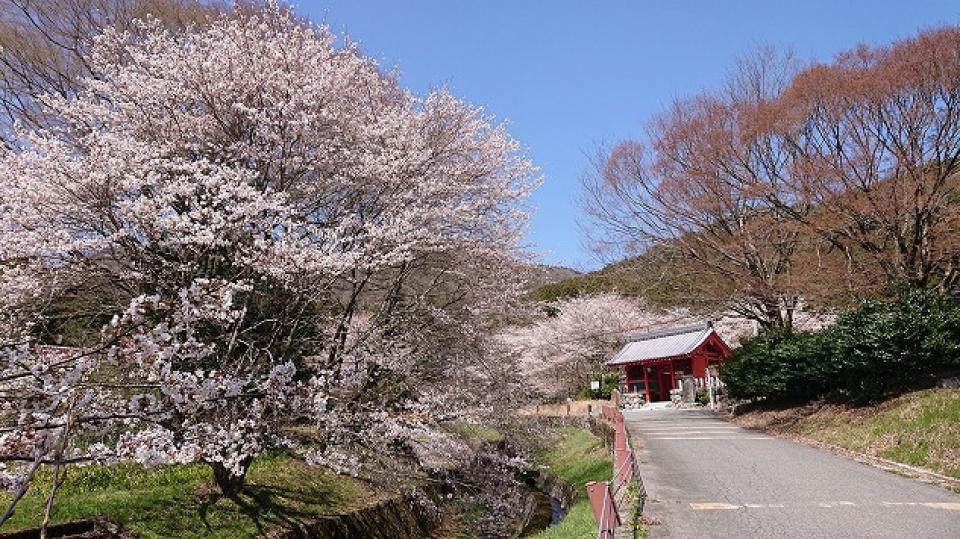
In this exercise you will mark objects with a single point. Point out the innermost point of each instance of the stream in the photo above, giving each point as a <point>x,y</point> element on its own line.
<point>548,503</point>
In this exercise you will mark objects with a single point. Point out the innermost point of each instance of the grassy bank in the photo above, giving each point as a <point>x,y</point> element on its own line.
<point>920,428</point>
<point>175,501</point>
<point>577,457</point>
<point>474,433</point>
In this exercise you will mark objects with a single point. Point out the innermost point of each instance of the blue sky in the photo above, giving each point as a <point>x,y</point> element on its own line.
<point>571,76</point>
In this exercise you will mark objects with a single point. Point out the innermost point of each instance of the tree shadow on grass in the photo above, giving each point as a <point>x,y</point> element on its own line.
<point>204,509</point>
<point>272,506</point>
<point>280,494</point>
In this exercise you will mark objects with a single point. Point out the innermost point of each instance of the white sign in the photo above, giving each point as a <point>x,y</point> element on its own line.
<point>595,385</point>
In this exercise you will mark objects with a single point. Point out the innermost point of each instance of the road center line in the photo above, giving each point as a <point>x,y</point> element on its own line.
<point>668,427</point>
<point>829,505</point>
<point>662,429</point>
<point>709,438</point>
<point>685,428</point>
<point>943,505</point>
<point>715,506</point>
<point>709,506</point>
<point>935,505</point>
<point>685,432</point>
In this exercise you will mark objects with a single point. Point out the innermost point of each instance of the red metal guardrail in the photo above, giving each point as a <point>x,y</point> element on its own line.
<point>605,496</point>
<point>604,508</point>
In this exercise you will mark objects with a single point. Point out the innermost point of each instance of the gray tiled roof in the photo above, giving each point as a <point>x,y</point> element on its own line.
<point>666,343</point>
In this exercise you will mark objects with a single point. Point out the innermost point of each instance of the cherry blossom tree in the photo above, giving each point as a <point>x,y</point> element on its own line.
<point>285,231</point>
<point>560,353</point>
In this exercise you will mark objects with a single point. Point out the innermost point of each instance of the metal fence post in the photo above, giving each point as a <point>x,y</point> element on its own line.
<point>604,510</point>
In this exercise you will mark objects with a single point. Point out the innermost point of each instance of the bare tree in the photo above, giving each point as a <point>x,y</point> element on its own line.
<point>44,46</point>
<point>701,187</point>
<point>879,134</point>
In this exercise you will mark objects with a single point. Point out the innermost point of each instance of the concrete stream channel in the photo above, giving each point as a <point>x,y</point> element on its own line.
<point>547,503</point>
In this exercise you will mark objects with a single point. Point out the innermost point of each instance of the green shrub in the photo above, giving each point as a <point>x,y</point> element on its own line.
<point>703,396</point>
<point>608,382</point>
<point>878,349</point>
<point>780,366</point>
<point>885,348</point>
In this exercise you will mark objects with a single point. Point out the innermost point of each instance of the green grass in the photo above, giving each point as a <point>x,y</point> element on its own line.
<point>470,431</point>
<point>176,501</point>
<point>578,457</point>
<point>920,428</point>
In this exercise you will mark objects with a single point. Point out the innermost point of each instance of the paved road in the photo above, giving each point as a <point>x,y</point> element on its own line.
<point>708,478</point>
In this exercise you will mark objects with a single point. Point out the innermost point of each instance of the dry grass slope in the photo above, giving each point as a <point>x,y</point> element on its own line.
<point>921,428</point>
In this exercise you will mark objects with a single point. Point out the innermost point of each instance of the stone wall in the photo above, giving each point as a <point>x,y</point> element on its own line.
<point>412,515</point>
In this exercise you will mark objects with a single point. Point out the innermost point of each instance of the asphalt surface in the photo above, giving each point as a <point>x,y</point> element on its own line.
<point>708,478</point>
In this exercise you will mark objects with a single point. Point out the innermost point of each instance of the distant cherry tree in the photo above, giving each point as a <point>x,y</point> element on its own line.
<point>561,352</point>
<point>569,343</point>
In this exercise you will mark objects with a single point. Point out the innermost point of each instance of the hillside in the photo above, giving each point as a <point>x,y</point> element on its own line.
<point>541,275</point>
<point>652,276</point>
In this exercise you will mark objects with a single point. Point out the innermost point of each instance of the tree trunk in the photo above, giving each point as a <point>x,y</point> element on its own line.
<point>776,316</point>
<point>229,483</point>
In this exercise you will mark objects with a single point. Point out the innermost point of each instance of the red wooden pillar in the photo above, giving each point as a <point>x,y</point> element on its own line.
<point>700,363</point>
<point>646,382</point>
<point>673,378</point>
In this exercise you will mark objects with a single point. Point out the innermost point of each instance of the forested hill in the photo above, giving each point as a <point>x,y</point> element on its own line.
<point>544,275</point>
<point>653,276</point>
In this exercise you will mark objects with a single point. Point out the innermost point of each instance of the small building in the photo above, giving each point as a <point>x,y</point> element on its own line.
<point>651,363</point>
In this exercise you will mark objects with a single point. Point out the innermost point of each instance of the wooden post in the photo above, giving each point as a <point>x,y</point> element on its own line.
<point>621,467</point>
<point>619,435</point>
